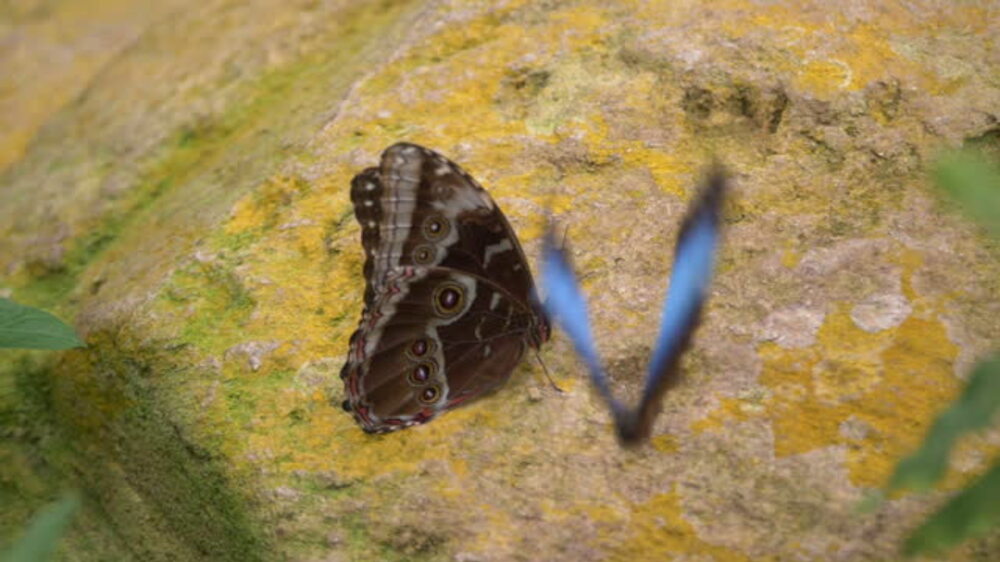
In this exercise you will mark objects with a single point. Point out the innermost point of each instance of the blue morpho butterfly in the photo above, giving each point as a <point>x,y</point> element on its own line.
<point>692,272</point>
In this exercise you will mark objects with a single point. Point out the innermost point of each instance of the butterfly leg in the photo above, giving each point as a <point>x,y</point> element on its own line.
<point>548,376</point>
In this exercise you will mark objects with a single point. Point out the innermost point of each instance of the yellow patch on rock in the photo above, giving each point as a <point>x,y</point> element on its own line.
<point>888,384</point>
<point>662,532</point>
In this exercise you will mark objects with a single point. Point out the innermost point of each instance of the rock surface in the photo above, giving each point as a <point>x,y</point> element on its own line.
<point>175,179</point>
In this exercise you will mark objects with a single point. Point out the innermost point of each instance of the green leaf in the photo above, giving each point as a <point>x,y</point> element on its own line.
<point>974,409</point>
<point>973,511</point>
<point>31,328</point>
<point>43,533</point>
<point>974,182</point>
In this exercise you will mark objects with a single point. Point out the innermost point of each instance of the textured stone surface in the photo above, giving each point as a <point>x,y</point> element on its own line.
<point>181,191</point>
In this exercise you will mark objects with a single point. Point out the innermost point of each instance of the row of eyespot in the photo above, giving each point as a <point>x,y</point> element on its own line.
<point>423,372</point>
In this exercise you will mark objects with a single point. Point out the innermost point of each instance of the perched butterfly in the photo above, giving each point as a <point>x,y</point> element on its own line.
<point>450,304</point>
<point>693,260</point>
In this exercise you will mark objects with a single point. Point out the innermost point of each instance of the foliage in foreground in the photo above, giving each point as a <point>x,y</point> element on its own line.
<point>43,533</point>
<point>30,328</point>
<point>974,183</point>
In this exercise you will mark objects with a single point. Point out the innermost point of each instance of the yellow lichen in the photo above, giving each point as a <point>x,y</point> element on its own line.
<point>892,383</point>
<point>790,258</point>
<point>859,55</point>
<point>665,443</point>
<point>824,76</point>
<point>872,393</point>
<point>730,409</point>
<point>660,532</point>
<point>261,207</point>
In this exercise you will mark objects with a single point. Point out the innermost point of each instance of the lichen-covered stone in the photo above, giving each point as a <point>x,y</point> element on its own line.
<point>185,199</point>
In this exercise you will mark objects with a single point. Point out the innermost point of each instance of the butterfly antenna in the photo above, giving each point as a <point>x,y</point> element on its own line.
<point>545,369</point>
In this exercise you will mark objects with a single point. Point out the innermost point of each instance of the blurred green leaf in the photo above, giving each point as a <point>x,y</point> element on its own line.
<point>974,181</point>
<point>973,511</point>
<point>43,533</point>
<point>974,409</point>
<point>31,328</point>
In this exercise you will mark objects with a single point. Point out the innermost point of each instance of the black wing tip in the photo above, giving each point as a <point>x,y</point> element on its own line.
<point>709,200</point>
<point>713,188</point>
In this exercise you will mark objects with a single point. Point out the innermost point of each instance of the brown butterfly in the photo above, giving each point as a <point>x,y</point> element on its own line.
<point>450,304</point>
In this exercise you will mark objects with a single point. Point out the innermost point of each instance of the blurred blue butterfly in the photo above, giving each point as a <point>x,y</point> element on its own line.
<point>692,272</point>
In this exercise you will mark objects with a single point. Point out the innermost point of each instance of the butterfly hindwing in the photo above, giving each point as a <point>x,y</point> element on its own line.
<point>434,339</point>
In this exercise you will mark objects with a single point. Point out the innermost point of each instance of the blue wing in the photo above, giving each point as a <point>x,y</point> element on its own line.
<point>692,272</point>
<point>567,306</point>
<point>689,280</point>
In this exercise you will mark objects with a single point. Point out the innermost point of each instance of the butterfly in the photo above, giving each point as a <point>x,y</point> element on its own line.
<point>693,262</point>
<point>450,305</point>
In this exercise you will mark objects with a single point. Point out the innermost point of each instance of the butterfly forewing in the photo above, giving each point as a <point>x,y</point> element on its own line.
<point>694,257</point>
<point>419,208</point>
<point>450,303</point>
<point>693,260</point>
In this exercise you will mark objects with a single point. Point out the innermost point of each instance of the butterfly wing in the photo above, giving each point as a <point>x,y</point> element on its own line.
<point>693,260</point>
<point>694,257</point>
<point>434,339</point>
<point>430,231</point>
<point>567,306</point>
<point>420,209</point>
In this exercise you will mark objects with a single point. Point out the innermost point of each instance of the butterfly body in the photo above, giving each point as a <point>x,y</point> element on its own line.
<point>450,304</point>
